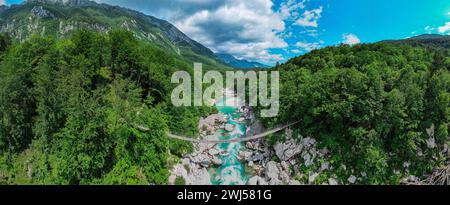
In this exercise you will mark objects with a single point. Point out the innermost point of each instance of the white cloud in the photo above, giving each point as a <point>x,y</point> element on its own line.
<point>257,51</point>
<point>309,18</point>
<point>295,51</point>
<point>350,39</point>
<point>429,29</point>
<point>287,34</point>
<point>2,2</point>
<point>308,46</point>
<point>445,28</point>
<point>310,32</point>
<point>289,10</point>
<point>245,29</point>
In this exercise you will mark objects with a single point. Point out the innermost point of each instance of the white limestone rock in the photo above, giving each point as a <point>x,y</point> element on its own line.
<point>286,150</point>
<point>312,177</point>
<point>229,127</point>
<point>351,179</point>
<point>253,181</point>
<point>294,182</point>
<point>271,170</point>
<point>332,181</point>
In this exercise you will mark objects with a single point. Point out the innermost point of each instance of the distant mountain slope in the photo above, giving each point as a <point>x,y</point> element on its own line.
<point>60,17</point>
<point>427,36</point>
<point>425,40</point>
<point>236,63</point>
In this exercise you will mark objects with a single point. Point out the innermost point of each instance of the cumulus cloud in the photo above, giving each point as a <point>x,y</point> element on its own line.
<point>309,18</point>
<point>429,29</point>
<point>167,9</point>
<point>310,32</point>
<point>246,29</point>
<point>445,28</point>
<point>243,28</point>
<point>2,2</point>
<point>306,46</point>
<point>350,39</point>
<point>289,10</point>
<point>295,51</point>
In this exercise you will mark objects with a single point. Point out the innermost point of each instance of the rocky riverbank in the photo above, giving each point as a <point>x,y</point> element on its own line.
<point>277,164</point>
<point>216,163</point>
<point>292,161</point>
<point>280,164</point>
<point>295,160</point>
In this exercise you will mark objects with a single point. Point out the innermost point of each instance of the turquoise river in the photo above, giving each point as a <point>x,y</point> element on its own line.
<point>232,170</point>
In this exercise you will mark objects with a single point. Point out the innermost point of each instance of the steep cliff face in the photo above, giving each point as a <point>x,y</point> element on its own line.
<point>60,17</point>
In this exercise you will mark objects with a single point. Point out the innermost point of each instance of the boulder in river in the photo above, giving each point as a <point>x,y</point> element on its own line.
<point>245,155</point>
<point>213,151</point>
<point>229,127</point>
<point>210,124</point>
<point>216,161</point>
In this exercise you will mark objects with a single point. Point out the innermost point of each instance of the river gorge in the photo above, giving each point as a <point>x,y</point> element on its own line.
<point>254,162</point>
<point>232,170</point>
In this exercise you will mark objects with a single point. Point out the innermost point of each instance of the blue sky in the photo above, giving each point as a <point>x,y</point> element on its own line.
<point>276,30</point>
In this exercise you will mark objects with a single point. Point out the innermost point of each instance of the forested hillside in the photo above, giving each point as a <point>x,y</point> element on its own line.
<point>382,109</point>
<point>60,18</point>
<point>431,41</point>
<point>70,110</point>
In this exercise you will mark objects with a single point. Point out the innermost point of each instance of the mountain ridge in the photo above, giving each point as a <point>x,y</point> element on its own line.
<point>239,63</point>
<point>60,17</point>
<point>424,40</point>
<point>427,36</point>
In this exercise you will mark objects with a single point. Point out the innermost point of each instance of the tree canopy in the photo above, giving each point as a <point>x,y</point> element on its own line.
<point>69,110</point>
<point>372,105</point>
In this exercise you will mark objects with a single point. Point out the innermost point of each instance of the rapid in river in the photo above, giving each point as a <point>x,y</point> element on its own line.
<point>232,170</point>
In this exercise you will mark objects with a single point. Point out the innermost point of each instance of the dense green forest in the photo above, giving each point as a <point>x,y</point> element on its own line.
<point>70,110</point>
<point>59,19</point>
<point>378,107</point>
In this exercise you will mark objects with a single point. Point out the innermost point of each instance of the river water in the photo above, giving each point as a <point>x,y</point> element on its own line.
<point>232,170</point>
